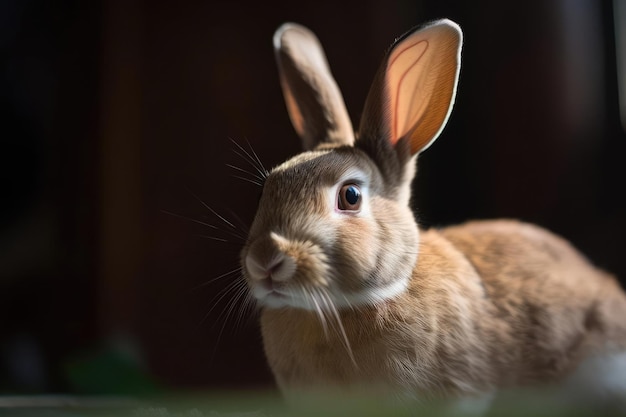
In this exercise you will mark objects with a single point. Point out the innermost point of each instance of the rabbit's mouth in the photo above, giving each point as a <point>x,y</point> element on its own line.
<point>270,294</point>
<point>277,297</point>
<point>317,298</point>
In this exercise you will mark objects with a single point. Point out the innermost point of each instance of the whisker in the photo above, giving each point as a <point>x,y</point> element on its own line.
<point>238,286</point>
<point>238,289</point>
<point>238,307</point>
<point>348,303</point>
<point>253,161</point>
<point>248,180</point>
<point>255,176</point>
<point>219,239</point>
<point>241,302</point>
<point>217,278</point>
<point>247,307</point>
<point>260,171</point>
<point>216,214</point>
<point>180,216</point>
<point>234,244</point>
<point>242,225</point>
<point>333,309</point>
<point>220,296</point>
<point>318,309</point>
<point>240,239</point>
<point>237,235</point>
<point>258,160</point>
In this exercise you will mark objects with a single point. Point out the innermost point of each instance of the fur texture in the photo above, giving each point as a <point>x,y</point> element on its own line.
<point>356,296</point>
<point>491,304</point>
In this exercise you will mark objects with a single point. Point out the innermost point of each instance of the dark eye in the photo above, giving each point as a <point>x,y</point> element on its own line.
<point>349,198</point>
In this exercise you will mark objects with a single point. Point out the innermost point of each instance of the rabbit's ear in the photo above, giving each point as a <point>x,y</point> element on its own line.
<point>314,102</point>
<point>414,90</point>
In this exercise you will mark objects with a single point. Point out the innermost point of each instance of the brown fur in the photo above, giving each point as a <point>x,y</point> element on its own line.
<point>490,304</point>
<point>363,298</point>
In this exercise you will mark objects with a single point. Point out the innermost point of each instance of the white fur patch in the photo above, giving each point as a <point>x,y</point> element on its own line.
<point>599,380</point>
<point>279,299</point>
<point>374,295</point>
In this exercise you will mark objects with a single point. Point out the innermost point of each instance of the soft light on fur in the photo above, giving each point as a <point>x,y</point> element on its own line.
<point>363,298</point>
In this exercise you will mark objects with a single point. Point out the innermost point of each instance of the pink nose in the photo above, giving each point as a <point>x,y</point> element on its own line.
<point>275,268</point>
<point>279,267</point>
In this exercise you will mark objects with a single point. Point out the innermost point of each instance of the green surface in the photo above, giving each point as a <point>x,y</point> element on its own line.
<point>257,404</point>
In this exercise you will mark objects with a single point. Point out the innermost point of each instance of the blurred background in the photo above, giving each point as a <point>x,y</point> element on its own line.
<point>117,120</point>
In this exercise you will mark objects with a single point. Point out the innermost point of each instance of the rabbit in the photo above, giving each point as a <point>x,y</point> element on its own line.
<point>354,294</point>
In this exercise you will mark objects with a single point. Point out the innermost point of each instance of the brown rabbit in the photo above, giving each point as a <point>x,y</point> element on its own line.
<point>354,294</point>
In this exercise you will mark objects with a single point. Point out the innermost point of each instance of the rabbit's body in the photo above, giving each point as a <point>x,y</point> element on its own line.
<point>355,295</point>
<point>490,304</point>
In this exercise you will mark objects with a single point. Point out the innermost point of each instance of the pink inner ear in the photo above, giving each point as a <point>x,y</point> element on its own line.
<point>402,80</point>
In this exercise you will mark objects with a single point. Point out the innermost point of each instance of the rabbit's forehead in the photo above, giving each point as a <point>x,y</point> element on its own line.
<point>324,168</point>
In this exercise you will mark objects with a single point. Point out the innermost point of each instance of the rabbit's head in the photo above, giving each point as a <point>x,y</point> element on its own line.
<point>334,227</point>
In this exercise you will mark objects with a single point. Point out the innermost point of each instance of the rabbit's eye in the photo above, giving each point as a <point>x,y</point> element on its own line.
<point>349,198</point>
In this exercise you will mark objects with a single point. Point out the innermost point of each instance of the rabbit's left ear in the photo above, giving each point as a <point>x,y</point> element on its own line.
<point>313,99</point>
<point>412,95</point>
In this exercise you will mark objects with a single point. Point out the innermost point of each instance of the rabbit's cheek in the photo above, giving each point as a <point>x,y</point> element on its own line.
<point>355,253</point>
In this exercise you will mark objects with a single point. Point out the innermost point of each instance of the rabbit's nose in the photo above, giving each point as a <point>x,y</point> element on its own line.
<point>277,268</point>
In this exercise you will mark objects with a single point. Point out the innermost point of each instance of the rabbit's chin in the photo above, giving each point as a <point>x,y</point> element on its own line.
<point>325,300</point>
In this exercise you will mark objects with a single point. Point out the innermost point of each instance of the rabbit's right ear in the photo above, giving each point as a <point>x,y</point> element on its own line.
<point>314,102</point>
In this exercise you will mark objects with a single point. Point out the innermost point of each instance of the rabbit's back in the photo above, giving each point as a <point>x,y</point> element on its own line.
<point>544,298</point>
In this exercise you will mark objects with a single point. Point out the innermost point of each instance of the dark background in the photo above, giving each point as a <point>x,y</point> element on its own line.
<point>116,113</point>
